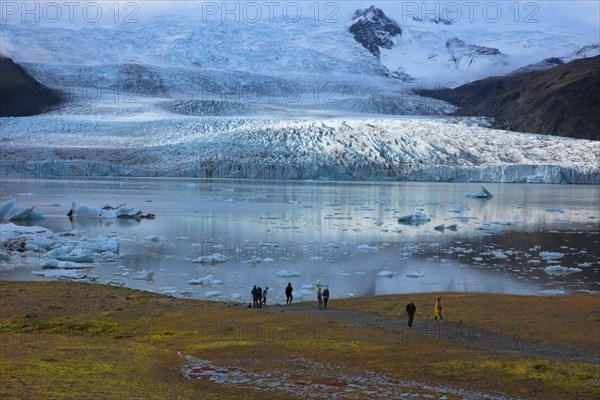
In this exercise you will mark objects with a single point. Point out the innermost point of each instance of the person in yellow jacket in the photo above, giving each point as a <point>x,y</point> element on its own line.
<point>437,309</point>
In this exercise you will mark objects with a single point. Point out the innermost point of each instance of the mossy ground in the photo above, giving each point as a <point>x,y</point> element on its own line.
<point>64,340</point>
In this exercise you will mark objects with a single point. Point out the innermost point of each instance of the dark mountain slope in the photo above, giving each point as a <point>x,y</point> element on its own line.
<point>21,94</point>
<point>563,100</point>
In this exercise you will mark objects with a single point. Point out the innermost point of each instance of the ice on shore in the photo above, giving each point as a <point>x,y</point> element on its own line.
<point>560,270</point>
<point>483,193</point>
<point>9,211</point>
<point>144,276</point>
<point>57,264</point>
<point>59,273</point>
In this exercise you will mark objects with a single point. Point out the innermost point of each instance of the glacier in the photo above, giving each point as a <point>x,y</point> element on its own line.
<point>276,101</point>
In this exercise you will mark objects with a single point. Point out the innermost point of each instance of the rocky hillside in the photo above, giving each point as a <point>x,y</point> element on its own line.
<point>22,95</point>
<point>563,100</point>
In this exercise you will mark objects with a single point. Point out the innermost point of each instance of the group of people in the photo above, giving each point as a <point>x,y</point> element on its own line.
<point>259,296</point>
<point>411,309</point>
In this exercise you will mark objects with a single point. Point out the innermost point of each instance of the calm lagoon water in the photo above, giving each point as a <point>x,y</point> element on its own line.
<point>345,235</point>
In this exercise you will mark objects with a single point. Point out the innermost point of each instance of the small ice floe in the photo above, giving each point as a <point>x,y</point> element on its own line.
<point>308,286</point>
<point>215,258</point>
<point>155,238</point>
<point>560,270</point>
<point>59,273</point>
<point>464,219</point>
<point>550,255</point>
<point>9,211</point>
<point>284,273</point>
<point>585,264</point>
<point>144,276</point>
<point>212,293</point>
<point>483,193</point>
<point>418,218</point>
<point>561,221</point>
<point>82,254</point>
<point>378,222</point>
<point>365,248</point>
<point>443,227</point>
<point>79,210</point>
<point>492,228</point>
<point>500,255</point>
<point>556,210</point>
<point>415,274</point>
<point>386,274</point>
<point>57,264</point>
<point>207,280</point>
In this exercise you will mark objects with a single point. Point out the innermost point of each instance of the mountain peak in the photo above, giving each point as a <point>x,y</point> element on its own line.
<point>374,30</point>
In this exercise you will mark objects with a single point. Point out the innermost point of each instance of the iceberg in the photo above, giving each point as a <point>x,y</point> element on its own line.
<point>414,219</point>
<point>9,211</point>
<point>483,193</point>
<point>79,210</point>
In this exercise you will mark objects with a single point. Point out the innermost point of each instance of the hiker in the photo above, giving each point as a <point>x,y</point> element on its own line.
<point>254,293</point>
<point>288,293</point>
<point>320,298</point>
<point>325,296</point>
<point>259,296</point>
<point>264,296</point>
<point>411,309</point>
<point>437,309</point>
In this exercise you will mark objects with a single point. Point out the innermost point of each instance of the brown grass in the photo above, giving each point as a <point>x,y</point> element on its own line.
<point>64,340</point>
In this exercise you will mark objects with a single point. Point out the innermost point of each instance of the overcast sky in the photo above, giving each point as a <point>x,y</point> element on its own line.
<point>576,13</point>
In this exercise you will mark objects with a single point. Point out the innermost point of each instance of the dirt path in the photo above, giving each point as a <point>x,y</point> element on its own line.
<point>468,335</point>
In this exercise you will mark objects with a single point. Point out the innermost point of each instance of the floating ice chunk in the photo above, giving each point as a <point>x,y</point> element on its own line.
<point>585,264</point>
<point>554,209</point>
<point>28,214</point>
<point>550,255</point>
<point>414,219</point>
<point>440,228</point>
<point>79,210</point>
<point>560,270</point>
<point>378,222</point>
<point>500,254</point>
<point>8,209</point>
<point>287,274</point>
<point>533,261</point>
<point>212,293</point>
<point>57,264</point>
<point>207,280</point>
<point>414,275</point>
<point>365,248</point>
<point>308,286</point>
<point>385,274</point>
<point>489,228</point>
<point>483,193</point>
<point>215,258</point>
<point>144,276</point>
<point>154,238</point>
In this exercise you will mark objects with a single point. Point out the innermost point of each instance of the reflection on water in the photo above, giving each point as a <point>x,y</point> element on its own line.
<point>337,234</point>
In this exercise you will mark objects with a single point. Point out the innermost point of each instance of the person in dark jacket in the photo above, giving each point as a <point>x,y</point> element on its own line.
<point>264,295</point>
<point>259,296</point>
<point>411,309</point>
<point>288,293</point>
<point>325,296</point>
<point>254,293</point>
